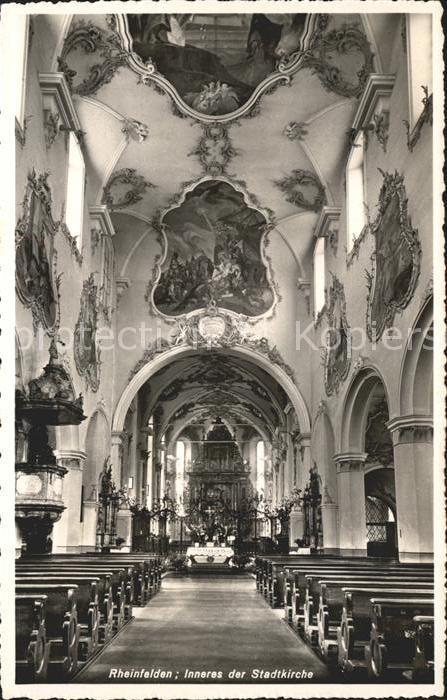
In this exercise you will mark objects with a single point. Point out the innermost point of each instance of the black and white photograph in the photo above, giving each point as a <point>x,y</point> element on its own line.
<point>222,328</point>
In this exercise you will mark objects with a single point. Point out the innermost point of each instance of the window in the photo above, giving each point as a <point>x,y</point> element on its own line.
<point>18,62</point>
<point>74,208</point>
<point>356,218</point>
<point>419,52</point>
<point>319,275</point>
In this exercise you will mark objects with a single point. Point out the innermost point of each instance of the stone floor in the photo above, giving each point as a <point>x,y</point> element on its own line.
<point>213,625</point>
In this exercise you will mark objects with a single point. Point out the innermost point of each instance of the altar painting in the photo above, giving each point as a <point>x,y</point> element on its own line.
<point>213,254</point>
<point>215,62</point>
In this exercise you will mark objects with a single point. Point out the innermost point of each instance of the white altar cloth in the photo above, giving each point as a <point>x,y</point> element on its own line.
<point>209,555</point>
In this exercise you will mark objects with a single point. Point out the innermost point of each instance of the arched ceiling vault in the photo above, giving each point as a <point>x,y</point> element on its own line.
<point>209,383</point>
<point>136,122</point>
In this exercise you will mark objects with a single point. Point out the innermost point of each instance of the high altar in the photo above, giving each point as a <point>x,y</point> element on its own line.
<point>219,482</point>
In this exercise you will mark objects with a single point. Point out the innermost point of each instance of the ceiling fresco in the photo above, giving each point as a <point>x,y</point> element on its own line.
<point>213,253</point>
<point>215,61</point>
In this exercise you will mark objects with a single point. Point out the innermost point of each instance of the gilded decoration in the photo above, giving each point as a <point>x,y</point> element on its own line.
<point>108,54</point>
<point>396,260</point>
<point>37,285</point>
<point>295,131</point>
<point>124,189</point>
<point>215,149</point>
<point>215,64</point>
<point>337,360</point>
<point>213,328</point>
<point>426,117</point>
<point>135,130</point>
<point>214,251</point>
<point>303,189</point>
<point>217,67</point>
<point>327,58</point>
<point>85,345</point>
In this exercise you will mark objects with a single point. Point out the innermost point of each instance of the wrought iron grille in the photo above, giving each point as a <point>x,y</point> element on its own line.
<point>376,520</point>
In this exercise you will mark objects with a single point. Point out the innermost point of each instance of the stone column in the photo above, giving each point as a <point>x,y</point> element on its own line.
<point>351,502</point>
<point>67,532</point>
<point>116,456</point>
<point>302,441</point>
<point>413,473</point>
<point>329,515</point>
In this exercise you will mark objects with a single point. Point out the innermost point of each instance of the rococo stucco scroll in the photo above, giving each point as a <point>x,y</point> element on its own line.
<point>213,328</point>
<point>36,282</point>
<point>396,259</point>
<point>337,356</point>
<point>85,345</point>
<point>217,67</point>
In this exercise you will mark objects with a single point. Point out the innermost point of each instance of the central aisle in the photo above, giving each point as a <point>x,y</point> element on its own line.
<point>205,623</point>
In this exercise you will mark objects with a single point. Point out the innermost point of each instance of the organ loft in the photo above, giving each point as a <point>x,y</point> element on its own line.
<point>227,233</point>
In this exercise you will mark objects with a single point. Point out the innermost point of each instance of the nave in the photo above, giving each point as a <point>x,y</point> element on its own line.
<point>202,623</point>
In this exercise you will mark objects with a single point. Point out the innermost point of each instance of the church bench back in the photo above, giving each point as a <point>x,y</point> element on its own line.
<point>32,647</point>
<point>61,624</point>
<point>394,632</point>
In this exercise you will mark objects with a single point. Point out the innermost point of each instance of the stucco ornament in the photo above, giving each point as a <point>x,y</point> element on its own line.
<point>85,345</point>
<point>125,188</point>
<point>303,189</point>
<point>337,354</point>
<point>396,259</point>
<point>37,284</point>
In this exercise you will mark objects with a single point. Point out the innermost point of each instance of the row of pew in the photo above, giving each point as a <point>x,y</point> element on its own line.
<point>369,616</point>
<point>68,606</point>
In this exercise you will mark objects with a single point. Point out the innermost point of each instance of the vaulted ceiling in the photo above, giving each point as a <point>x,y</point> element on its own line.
<point>285,145</point>
<point>264,102</point>
<point>208,384</point>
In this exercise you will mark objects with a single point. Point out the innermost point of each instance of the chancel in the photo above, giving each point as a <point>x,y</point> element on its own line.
<point>224,356</point>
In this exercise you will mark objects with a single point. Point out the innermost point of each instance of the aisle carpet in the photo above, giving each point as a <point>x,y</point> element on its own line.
<point>208,624</point>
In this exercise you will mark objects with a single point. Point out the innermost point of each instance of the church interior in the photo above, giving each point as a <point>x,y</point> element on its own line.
<point>224,347</point>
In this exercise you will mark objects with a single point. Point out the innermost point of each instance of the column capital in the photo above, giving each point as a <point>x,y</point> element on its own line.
<point>73,459</point>
<point>350,461</point>
<point>411,429</point>
<point>117,437</point>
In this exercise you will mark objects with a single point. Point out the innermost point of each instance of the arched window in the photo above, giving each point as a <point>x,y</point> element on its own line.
<point>355,190</point>
<point>419,56</point>
<point>319,275</point>
<point>74,205</point>
<point>18,63</point>
<point>260,467</point>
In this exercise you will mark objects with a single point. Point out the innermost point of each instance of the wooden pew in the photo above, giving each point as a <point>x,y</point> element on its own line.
<point>121,586</point>
<point>86,604</point>
<point>104,595</point>
<point>356,628</point>
<point>32,647</point>
<point>423,662</point>
<point>330,593</point>
<point>324,599</point>
<point>61,625</point>
<point>393,632</point>
<point>299,584</point>
<point>275,589</point>
<point>143,571</point>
